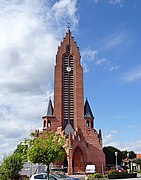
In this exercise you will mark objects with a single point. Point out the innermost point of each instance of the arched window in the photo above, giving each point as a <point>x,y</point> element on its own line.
<point>87,124</point>
<point>49,124</point>
<point>44,123</point>
<point>92,124</point>
<point>68,49</point>
<point>79,137</point>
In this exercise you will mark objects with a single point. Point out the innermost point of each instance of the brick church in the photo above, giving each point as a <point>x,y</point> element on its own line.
<point>70,116</point>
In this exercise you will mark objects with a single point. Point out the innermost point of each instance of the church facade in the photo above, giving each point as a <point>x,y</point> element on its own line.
<point>70,116</point>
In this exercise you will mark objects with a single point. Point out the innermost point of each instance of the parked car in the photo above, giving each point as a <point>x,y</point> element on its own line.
<point>42,176</point>
<point>52,177</point>
<point>90,169</point>
<point>57,171</point>
<point>118,168</point>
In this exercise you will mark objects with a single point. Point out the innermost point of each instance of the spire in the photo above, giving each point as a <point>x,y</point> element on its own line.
<point>68,27</point>
<point>87,110</point>
<point>100,136</point>
<point>50,108</point>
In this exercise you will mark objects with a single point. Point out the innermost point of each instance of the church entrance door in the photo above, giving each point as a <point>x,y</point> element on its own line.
<point>78,161</point>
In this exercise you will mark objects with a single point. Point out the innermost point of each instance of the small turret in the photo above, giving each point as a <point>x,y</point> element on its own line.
<point>87,110</point>
<point>50,109</point>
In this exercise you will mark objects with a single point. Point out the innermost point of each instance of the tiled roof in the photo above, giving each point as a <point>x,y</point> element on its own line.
<point>87,110</point>
<point>138,156</point>
<point>69,129</point>
<point>50,109</point>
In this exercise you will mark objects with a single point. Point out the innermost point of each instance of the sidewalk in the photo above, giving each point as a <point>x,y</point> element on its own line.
<point>82,177</point>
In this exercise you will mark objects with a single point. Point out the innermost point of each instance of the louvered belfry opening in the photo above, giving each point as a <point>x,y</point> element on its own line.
<point>68,107</point>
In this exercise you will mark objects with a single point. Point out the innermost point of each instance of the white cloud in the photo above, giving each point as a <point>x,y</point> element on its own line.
<point>112,2</point>
<point>132,146</point>
<point>131,126</point>
<point>87,55</point>
<point>101,61</point>
<point>114,131</point>
<point>110,139</point>
<point>30,32</point>
<point>133,75</point>
<point>66,9</point>
<point>96,1</point>
<point>121,40</point>
<point>116,2</point>
<point>92,56</point>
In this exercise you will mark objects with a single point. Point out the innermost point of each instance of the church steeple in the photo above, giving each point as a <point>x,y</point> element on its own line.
<point>87,110</point>
<point>68,83</point>
<point>50,108</point>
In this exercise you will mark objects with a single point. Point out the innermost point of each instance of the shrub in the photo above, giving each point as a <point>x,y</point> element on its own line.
<point>95,176</point>
<point>98,175</point>
<point>122,175</point>
<point>113,171</point>
<point>139,171</point>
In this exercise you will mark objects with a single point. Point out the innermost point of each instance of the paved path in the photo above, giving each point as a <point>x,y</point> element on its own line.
<point>82,177</point>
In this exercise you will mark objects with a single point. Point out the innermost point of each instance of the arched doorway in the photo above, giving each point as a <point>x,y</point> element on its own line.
<point>78,161</point>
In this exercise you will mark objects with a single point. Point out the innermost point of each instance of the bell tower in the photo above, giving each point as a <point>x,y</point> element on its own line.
<point>70,116</point>
<point>68,84</point>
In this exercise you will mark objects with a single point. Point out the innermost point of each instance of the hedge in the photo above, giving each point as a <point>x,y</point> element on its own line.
<point>119,176</point>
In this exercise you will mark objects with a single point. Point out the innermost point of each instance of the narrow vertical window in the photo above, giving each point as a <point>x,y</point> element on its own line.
<point>87,124</point>
<point>44,123</point>
<point>79,137</point>
<point>92,124</point>
<point>49,124</point>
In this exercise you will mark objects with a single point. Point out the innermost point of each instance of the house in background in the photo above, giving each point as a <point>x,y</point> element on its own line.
<point>29,169</point>
<point>133,164</point>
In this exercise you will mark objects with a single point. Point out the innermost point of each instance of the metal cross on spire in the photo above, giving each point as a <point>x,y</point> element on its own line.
<point>68,27</point>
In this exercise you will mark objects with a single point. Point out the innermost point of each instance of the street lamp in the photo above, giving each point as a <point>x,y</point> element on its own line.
<point>128,159</point>
<point>116,154</point>
<point>127,155</point>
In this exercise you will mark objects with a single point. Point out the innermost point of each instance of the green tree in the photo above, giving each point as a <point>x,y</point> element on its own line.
<point>138,162</point>
<point>46,149</point>
<point>110,155</point>
<point>132,154</point>
<point>11,166</point>
<point>22,151</point>
<point>128,154</point>
<point>124,154</point>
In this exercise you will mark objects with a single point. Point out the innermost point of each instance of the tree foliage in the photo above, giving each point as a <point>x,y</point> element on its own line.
<point>46,149</point>
<point>22,151</point>
<point>132,154</point>
<point>11,166</point>
<point>110,155</point>
<point>125,154</point>
<point>138,161</point>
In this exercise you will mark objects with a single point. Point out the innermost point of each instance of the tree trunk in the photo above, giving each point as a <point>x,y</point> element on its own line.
<point>47,171</point>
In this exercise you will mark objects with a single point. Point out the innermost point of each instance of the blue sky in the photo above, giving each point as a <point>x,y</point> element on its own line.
<point>108,35</point>
<point>112,29</point>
